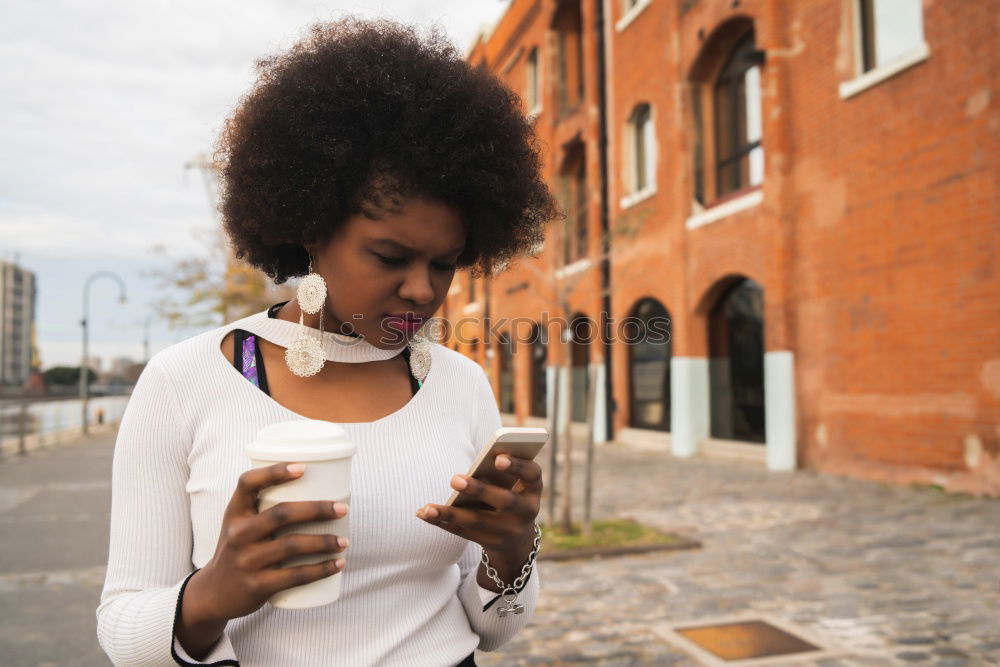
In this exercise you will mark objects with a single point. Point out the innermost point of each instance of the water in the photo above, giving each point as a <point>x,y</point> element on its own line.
<point>51,418</point>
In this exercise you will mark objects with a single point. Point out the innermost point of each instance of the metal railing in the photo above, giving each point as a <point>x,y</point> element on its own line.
<point>27,424</point>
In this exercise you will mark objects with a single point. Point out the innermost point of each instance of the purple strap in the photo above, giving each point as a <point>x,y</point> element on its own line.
<point>250,360</point>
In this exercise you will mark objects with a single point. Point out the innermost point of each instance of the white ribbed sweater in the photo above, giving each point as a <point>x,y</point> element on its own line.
<point>408,595</point>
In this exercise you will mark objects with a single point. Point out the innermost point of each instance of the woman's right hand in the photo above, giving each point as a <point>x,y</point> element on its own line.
<point>245,571</point>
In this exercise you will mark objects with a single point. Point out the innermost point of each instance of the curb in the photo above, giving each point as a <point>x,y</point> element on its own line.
<point>681,544</point>
<point>10,446</point>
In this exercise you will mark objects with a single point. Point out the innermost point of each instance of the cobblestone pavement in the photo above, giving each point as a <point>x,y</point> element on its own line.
<point>885,575</point>
<point>882,575</point>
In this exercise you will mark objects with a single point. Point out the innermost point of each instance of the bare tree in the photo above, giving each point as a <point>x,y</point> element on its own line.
<point>557,289</point>
<point>214,287</point>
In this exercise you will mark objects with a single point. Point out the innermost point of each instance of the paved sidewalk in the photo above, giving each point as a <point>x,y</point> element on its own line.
<point>54,505</point>
<point>886,575</point>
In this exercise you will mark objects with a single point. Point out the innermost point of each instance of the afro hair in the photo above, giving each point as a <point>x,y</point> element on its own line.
<point>359,116</point>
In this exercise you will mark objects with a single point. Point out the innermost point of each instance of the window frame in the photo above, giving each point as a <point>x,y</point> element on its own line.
<point>533,76</point>
<point>733,87</point>
<point>507,373</point>
<point>569,100</point>
<point>641,155</point>
<point>538,406</point>
<point>706,205</point>
<point>574,198</point>
<point>630,13</point>
<point>641,311</point>
<point>863,78</point>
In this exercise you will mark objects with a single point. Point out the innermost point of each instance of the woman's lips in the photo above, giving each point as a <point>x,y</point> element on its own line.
<point>407,325</point>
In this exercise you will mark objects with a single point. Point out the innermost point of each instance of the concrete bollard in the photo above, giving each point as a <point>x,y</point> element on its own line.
<point>22,430</point>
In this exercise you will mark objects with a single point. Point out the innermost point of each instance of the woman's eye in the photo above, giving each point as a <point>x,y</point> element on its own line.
<point>391,261</point>
<point>399,261</point>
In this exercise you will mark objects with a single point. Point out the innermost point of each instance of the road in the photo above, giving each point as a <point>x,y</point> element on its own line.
<point>879,575</point>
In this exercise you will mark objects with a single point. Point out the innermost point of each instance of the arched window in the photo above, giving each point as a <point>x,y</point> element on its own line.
<point>506,345</point>
<point>739,159</point>
<point>573,196</point>
<point>538,368</point>
<point>581,330</point>
<point>736,364</point>
<point>568,25</point>
<point>649,345</point>
<point>726,113</point>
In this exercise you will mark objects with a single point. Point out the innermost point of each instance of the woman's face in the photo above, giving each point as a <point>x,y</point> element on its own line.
<point>401,264</point>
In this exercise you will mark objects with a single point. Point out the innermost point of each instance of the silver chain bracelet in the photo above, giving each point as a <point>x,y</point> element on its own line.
<point>509,594</point>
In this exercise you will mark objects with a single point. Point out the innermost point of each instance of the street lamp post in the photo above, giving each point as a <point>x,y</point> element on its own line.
<point>145,339</point>
<point>84,366</point>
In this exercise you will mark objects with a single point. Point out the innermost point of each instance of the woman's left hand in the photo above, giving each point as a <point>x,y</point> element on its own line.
<point>506,530</point>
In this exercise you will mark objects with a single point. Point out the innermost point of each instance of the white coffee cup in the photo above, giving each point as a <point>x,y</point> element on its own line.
<point>326,451</point>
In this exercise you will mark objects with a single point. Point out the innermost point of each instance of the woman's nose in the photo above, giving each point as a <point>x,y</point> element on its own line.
<point>417,286</point>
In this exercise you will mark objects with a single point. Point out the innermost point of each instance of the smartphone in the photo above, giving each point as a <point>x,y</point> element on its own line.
<point>522,442</point>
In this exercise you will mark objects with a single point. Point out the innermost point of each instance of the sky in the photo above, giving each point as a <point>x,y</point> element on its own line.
<point>102,104</point>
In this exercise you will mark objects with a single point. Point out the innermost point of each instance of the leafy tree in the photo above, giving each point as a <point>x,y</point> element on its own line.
<point>67,375</point>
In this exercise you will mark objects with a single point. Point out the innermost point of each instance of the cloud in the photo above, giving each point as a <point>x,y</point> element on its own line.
<point>109,100</point>
<point>104,104</point>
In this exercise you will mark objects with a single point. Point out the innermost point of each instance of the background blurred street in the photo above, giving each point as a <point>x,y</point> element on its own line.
<point>881,575</point>
<point>54,509</point>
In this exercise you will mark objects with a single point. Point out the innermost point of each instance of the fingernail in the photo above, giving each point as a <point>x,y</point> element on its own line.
<point>340,508</point>
<point>340,563</point>
<point>295,468</point>
<point>430,513</point>
<point>458,483</point>
<point>342,542</point>
<point>502,462</point>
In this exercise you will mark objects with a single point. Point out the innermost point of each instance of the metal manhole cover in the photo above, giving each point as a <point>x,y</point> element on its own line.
<point>745,640</point>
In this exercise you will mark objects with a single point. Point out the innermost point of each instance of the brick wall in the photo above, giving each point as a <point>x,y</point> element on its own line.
<point>875,239</point>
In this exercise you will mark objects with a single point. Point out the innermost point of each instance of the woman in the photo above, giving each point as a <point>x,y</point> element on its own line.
<point>377,162</point>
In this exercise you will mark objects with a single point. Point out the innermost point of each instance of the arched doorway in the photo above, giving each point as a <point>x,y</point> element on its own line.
<point>506,373</point>
<point>736,363</point>
<point>538,368</point>
<point>581,330</point>
<point>649,348</point>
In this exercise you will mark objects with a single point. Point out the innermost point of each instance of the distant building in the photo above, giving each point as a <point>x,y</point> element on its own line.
<point>802,193</point>
<point>17,319</point>
<point>94,363</point>
<point>121,364</point>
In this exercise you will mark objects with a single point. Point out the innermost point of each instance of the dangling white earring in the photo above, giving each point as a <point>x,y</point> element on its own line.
<point>305,356</point>
<point>420,356</point>
<point>311,294</point>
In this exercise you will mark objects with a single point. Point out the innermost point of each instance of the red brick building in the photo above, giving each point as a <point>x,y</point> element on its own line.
<point>801,197</point>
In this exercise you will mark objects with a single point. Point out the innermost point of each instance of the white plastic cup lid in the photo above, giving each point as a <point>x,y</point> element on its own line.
<point>301,440</point>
